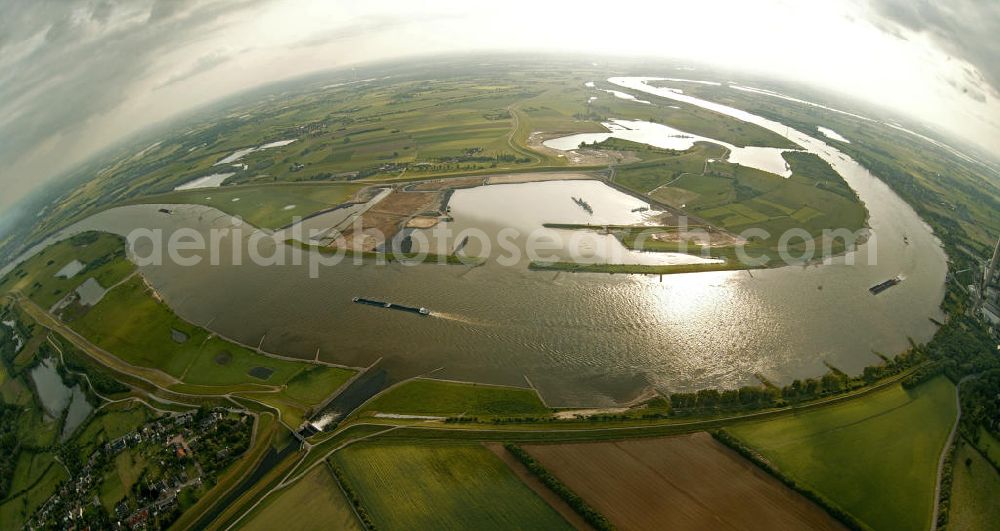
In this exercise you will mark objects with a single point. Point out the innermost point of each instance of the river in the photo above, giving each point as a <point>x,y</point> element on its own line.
<point>580,339</point>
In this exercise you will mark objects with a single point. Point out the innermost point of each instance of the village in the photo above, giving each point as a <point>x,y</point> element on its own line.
<point>181,454</point>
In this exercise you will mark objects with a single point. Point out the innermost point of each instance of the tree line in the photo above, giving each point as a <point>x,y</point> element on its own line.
<point>594,518</point>
<point>768,395</point>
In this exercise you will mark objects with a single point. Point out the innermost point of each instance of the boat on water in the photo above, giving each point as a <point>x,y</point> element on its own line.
<point>884,285</point>
<point>392,306</point>
<point>583,204</point>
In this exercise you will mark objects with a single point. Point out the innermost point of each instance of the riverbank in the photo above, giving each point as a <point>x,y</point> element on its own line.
<point>636,269</point>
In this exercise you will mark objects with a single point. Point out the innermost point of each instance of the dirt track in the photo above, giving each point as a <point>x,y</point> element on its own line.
<point>389,216</point>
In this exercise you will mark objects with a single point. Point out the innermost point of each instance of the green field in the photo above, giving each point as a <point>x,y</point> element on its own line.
<point>36,429</point>
<point>442,487</point>
<point>30,467</point>
<point>876,458</point>
<point>975,490</point>
<point>311,502</point>
<point>989,446</point>
<point>315,383</point>
<point>333,441</point>
<point>736,198</point>
<point>306,389</point>
<point>435,397</point>
<point>266,206</point>
<point>102,255</point>
<point>959,198</point>
<point>646,177</point>
<point>432,121</point>
<point>136,327</point>
<point>14,511</point>
<point>127,468</point>
<point>110,423</point>
<point>12,391</point>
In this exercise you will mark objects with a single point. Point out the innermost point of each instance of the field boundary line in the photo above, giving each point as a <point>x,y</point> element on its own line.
<point>948,446</point>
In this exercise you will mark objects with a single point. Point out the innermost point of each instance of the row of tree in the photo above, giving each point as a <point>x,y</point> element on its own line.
<point>836,511</point>
<point>769,395</point>
<point>594,518</point>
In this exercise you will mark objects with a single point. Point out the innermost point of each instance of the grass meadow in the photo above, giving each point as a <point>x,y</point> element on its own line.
<point>435,397</point>
<point>876,458</point>
<point>453,486</point>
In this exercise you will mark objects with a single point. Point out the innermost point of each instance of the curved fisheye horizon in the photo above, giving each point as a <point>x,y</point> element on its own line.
<point>123,66</point>
<point>309,265</point>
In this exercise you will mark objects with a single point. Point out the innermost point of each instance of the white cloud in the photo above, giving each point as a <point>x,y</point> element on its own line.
<point>76,77</point>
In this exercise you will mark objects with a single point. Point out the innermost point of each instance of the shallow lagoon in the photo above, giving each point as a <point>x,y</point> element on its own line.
<point>521,211</point>
<point>56,397</point>
<point>209,181</point>
<point>830,133</point>
<point>666,137</point>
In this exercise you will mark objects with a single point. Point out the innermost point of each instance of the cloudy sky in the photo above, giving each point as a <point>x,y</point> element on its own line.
<point>78,75</point>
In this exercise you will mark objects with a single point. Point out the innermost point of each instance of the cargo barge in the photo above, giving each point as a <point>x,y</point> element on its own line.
<point>583,204</point>
<point>882,286</point>
<point>392,306</point>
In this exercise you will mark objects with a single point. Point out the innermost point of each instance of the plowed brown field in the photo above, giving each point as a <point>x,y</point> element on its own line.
<point>687,482</point>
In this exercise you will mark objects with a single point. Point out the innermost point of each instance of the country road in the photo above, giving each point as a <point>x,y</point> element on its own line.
<point>947,449</point>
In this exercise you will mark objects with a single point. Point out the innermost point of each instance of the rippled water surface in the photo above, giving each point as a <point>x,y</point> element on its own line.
<point>581,339</point>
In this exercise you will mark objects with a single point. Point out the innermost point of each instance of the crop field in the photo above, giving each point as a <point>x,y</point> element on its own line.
<point>267,206</point>
<point>136,327</point>
<point>989,446</point>
<point>102,257</point>
<point>14,511</point>
<point>876,458</point>
<point>646,177</point>
<point>961,194</point>
<point>435,121</point>
<point>12,391</point>
<point>435,397</point>
<point>736,198</point>
<point>453,486</point>
<point>330,442</point>
<point>311,502</point>
<point>30,467</point>
<point>685,482</point>
<point>975,490</point>
<point>36,429</point>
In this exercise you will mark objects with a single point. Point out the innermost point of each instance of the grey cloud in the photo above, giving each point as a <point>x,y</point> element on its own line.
<point>164,9</point>
<point>969,89</point>
<point>102,12</point>
<point>369,25</point>
<point>202,65</point>
<point>965,29</point>
<point>84,67</point>
<point>21,20</point>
